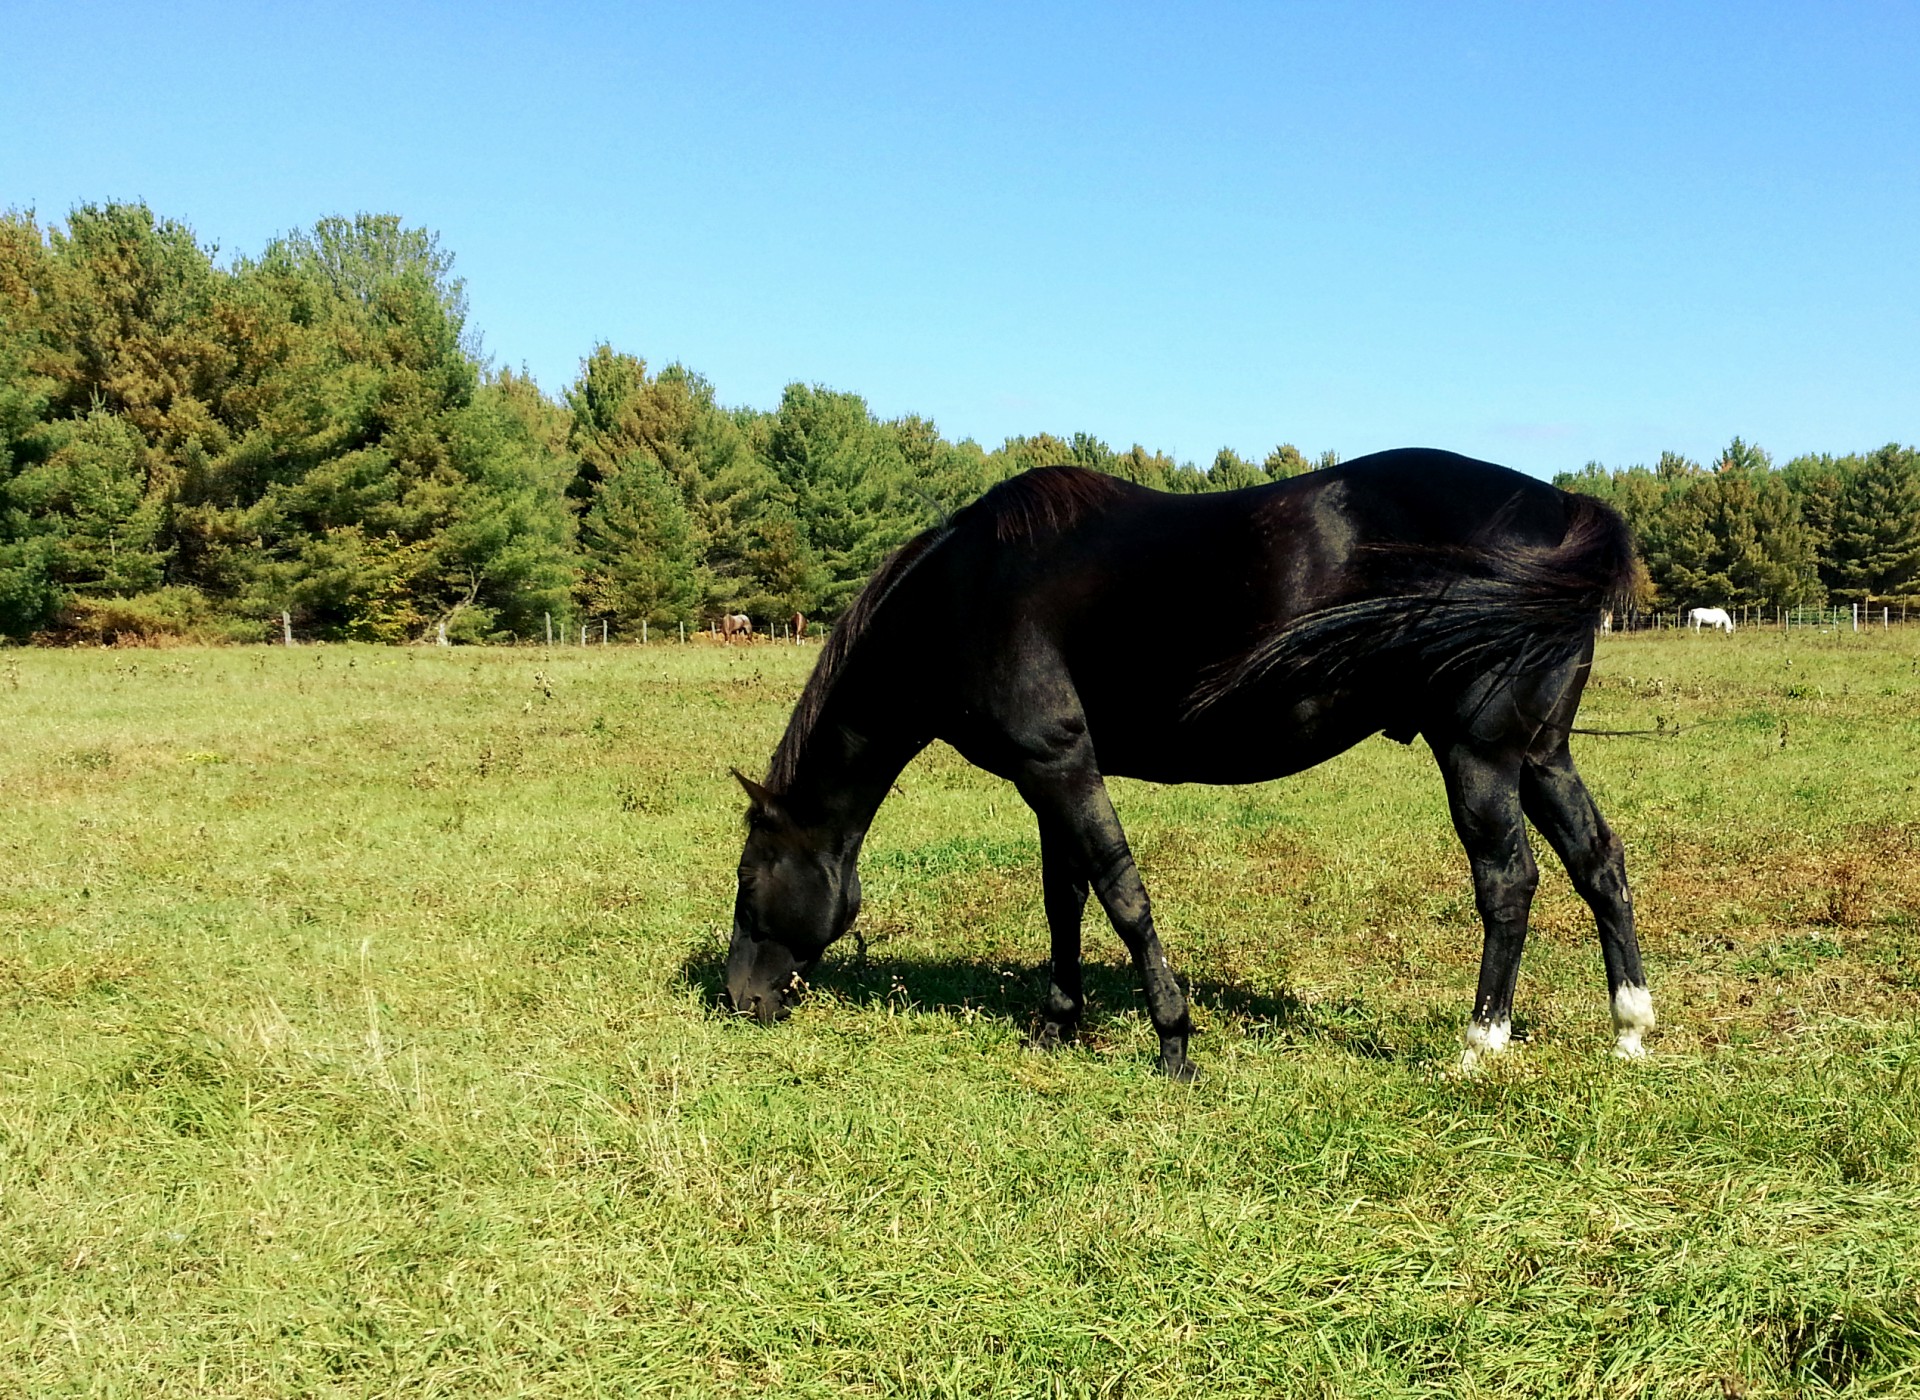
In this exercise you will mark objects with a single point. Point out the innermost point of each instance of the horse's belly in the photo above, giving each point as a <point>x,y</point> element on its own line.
<point>1197,752</point>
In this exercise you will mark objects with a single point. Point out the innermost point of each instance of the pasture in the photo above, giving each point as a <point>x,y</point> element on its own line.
<point>359,1041</point>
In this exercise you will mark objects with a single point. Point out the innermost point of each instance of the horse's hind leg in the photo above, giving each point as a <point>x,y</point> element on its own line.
<point>1483,795</point>
<point>1557,802</point>
<point>1065,894</point>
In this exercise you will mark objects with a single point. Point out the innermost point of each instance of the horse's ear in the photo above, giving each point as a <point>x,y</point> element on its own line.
<point>765,805</point>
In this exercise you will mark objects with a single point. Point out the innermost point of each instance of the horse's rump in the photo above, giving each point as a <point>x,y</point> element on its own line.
<point>1426,611</point>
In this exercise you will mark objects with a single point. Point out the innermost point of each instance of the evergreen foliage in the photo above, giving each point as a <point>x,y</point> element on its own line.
<point>1873,547</point>
<point>1840,529</point>
<point>190,447</point>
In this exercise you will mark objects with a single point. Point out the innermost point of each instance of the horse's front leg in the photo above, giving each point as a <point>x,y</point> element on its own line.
<point>1065,791</point>
<point>1064,889</point>
<point>1483,793</point>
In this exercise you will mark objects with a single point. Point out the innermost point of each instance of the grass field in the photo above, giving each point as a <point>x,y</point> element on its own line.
<point>359,1041</point>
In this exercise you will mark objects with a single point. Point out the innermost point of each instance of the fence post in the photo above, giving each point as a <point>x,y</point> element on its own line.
<point>1856,617</point>
<point>683,634</point>
<point>643,631</point>
<point>583,636</point>
<point>286,627</point>
<point>549,618</point>
<point>440,633</point>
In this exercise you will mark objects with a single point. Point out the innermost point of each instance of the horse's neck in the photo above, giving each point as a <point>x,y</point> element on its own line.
<point>844,777</point>
<point>850,759</point>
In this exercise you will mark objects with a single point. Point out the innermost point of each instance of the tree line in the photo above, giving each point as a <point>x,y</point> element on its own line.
<point>192,448</point>
<point>1747,533</point>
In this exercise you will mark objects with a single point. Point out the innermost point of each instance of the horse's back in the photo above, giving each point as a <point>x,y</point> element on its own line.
<point>1421,495</point>
<point>1066,582</point>
<point>1098,552</point>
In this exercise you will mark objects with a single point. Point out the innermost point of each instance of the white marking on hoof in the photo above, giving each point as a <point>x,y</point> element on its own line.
<point>1484,1038</point>
<point>1632,1018</point>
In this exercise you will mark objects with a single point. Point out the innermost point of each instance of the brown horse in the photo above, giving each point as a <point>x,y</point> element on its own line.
<point>799,626</point>
<point>736,625</point>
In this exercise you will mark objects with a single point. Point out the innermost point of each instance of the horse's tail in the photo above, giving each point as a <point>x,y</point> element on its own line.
<point>1496,603</point>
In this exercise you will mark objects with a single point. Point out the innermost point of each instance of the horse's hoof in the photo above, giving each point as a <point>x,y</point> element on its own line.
<point>1180,1071</point>
<point>1630,1049</point>
<point>1473,1061</point>
<point>1050,1036</point>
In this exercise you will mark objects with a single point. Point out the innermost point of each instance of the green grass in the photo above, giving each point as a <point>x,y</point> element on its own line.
<point>358,1041</point>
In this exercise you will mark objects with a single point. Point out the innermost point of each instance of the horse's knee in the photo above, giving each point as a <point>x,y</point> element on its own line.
<point>1505,874</point>
<point>1504,904</point>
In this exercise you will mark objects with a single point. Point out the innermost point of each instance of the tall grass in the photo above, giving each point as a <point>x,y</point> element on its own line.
<point>359,1041</point>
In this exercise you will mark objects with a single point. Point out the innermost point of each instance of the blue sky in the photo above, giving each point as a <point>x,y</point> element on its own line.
<point>1540,234</point>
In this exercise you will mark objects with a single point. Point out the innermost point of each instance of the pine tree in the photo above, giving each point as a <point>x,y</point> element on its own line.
<point>845,478</point>
<point>941,475</point>
<point>644,562</point>
<point>1230,472</point>
<point>1284,461</point>
<point>1874,547</point>
<point>626,419</point>
<point>1817,483</point>
<point>1731,538</point>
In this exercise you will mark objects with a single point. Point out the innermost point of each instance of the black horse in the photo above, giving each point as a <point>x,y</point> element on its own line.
<point>1410,592</point>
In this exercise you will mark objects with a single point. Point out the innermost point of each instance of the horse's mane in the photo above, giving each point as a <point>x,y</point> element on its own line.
<point>1444,609</point>
<point>1037,505</point>
<point>784,765</point>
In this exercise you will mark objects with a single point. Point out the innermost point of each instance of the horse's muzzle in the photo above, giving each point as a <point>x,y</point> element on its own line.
<point>766,1008</point>
<point>763,979</point>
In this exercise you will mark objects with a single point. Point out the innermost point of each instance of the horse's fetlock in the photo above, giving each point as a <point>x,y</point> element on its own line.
<point>1632,1018</point>
<point>1484,1039</point>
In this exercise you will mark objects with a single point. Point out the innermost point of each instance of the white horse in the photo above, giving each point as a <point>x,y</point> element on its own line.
<point>1709,617</point>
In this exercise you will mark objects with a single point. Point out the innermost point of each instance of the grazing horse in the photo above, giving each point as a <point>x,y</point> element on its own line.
<point>736,625</point>
<point>799,626</point>
<point>1411,592</point>
<point>1709,617</point>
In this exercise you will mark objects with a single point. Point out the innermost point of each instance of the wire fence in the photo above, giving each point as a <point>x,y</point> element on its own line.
<point>606,632</point>
<point>1853,617</point>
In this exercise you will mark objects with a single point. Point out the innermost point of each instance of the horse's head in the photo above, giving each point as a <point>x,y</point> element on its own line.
<point>798,893</point>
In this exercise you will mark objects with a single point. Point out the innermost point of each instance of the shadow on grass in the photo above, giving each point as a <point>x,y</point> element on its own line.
<point>955,986</point>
